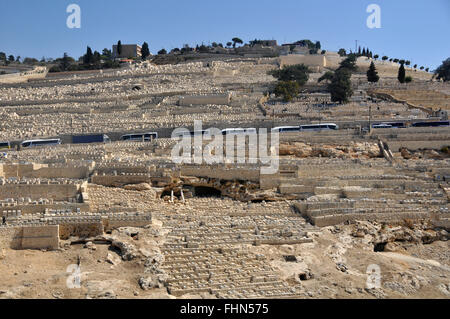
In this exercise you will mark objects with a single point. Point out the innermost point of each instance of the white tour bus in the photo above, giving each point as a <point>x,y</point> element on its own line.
<point>318,127</point>
<point>382,125</point>
<point>41,142</point>
<point>286,129</point>
<point>150,136</point>
<point>235,131</point>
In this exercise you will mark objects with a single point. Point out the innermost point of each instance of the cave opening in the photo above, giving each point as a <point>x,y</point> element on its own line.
<point>204,191</point>
<point>379,247</point>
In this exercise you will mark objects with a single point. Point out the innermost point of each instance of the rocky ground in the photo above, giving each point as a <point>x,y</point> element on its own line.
<point>414,262</point>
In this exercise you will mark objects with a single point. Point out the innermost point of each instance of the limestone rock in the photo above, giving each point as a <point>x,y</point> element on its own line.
<point>138,187</point>
<point>153,281</point>
<point>127,251</point>
<point>113,259</point>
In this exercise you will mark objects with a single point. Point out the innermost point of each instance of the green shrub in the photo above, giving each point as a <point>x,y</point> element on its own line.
<point>287,89</point>
<point>297,72</point>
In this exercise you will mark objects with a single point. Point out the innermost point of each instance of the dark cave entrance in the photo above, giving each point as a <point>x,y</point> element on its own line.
<point>204,191</point>
<point>379,247</point>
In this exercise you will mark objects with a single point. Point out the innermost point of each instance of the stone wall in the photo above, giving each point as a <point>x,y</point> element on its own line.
<point>59,192</point>
<point>40,237</point>
<point>30,237</point>
<point>217,99</point>
<point>43,171</point>
<point>11,237</point>
<point>222,173</point>
<point>34,208</point>
<point>83,230</point>
<point>120,180</point>
<point>309,60</point>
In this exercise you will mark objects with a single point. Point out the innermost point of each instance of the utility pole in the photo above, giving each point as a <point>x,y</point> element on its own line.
<point>370,118</point>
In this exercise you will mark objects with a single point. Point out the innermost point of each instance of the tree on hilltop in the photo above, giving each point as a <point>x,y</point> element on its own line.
<point>328,76</point>
<point>65,62</point>
<point>372,74</point>
<point>287,89</point>
<point>106,54</point>
<point>235,41</point>
<point>119,48</point>
<point>88,57</point>
<point>297,72</point>
<point>443,71</point>
<point>401,74</point>
<point>349,63</point>
<point>145,51</point>
<point>340,87</point>
<point>342,52</point>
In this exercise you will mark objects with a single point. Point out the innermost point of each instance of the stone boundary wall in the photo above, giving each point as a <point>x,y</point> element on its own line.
<point>114,180</point>
<point>30,237</point>
<point>10,237</point>
<point>59,192</point>
<point>214,99</point>
<point>45,232</point>
<point>83,230</point>
<point>334,219</point>
<point>43,171</point>
<point>101,169</point>
<point>324,221</point>
<point>395,146</point>
<point>41,208</point>
<point>309,60</point>
<point>222,173</point>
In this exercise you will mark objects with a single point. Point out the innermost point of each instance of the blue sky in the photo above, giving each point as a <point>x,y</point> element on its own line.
<point>410,29</point>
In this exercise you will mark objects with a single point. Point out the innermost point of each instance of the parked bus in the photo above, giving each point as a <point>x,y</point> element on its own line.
<point>318,127</point>
<point>382,125</point>
<point>5,145</point>
<point>396,124</point>
<point>235,131</point>
<point>40,142</point>
<point>137,137</point>
<point>93,138</point>
<point>195,133</point>
<point>431,124</point>
<point>286,129</point>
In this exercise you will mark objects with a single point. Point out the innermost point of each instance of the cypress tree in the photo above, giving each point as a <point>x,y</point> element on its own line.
<point>119,48</point>
<point>145,51</point>
<point>372,74</point>
<point>88,57</point>
<point>401,74</point>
